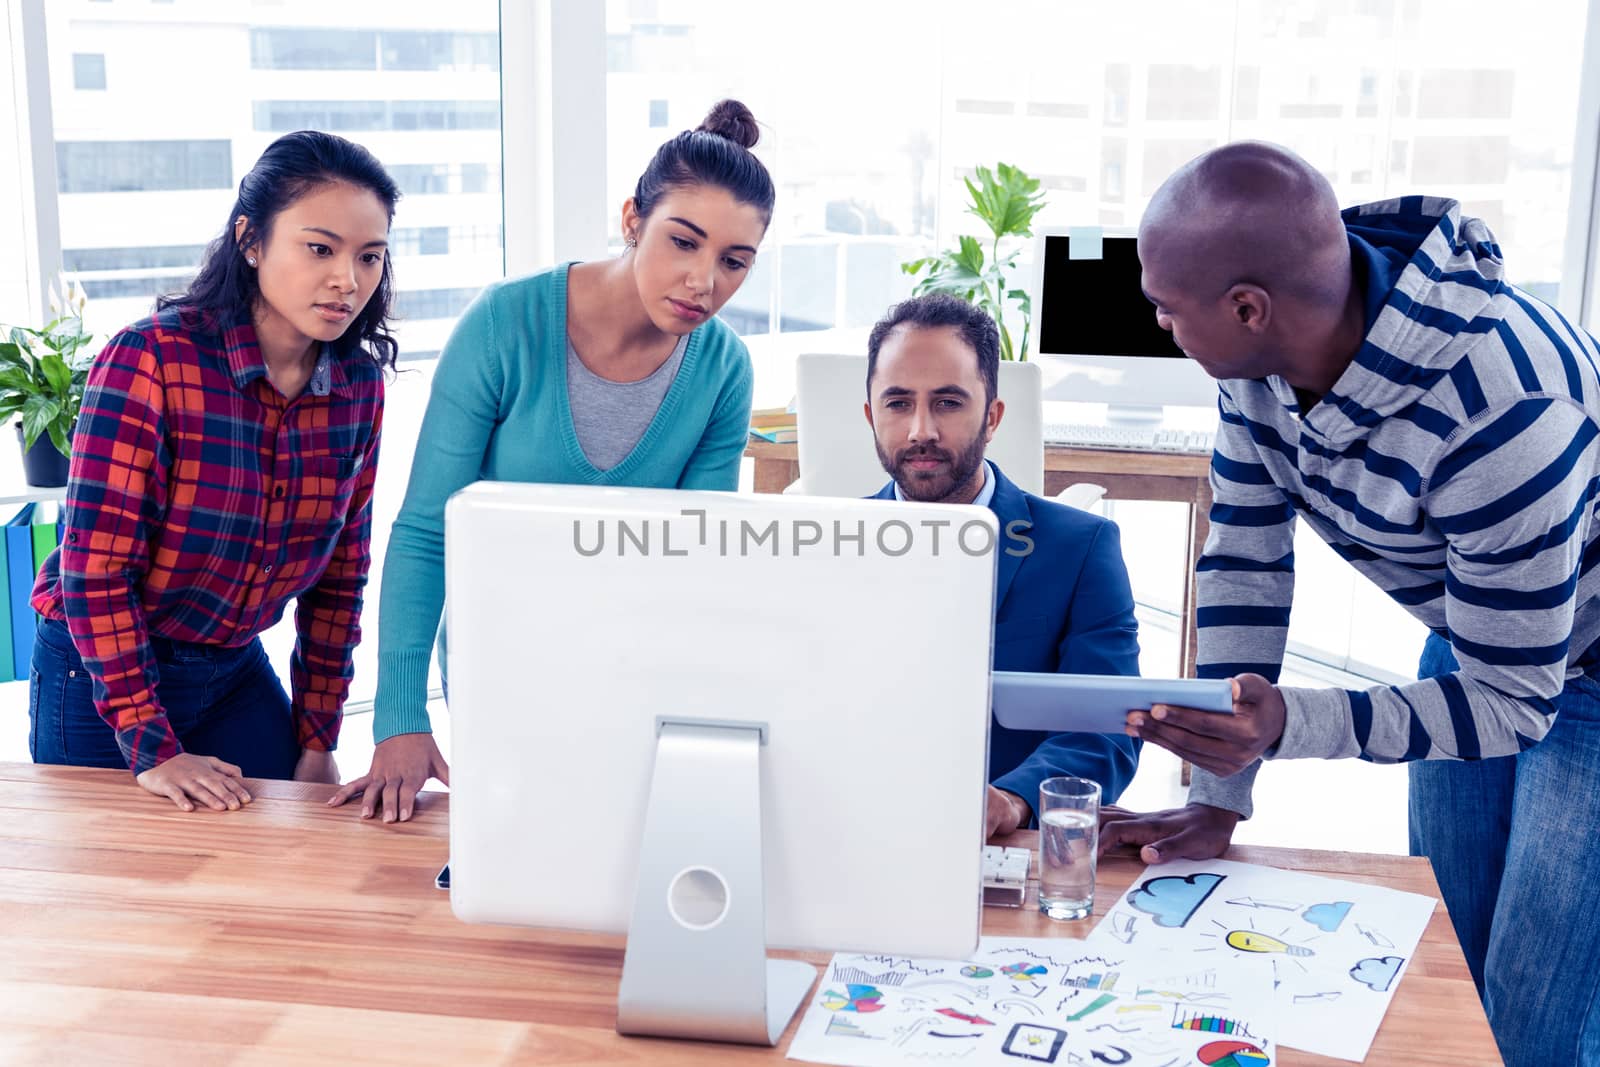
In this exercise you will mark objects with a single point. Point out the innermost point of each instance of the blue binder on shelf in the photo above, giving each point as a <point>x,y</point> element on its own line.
<point>7,671</point>
<point>19,582</point>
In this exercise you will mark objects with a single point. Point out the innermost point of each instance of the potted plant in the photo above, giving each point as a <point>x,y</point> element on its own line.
<point>1006,200</point>
<point>42,375</point>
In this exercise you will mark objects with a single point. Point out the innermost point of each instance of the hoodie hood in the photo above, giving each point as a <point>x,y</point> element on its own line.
<point>1431,279</point>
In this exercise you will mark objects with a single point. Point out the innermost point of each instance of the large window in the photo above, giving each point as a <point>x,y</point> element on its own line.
<point>869,135</point>
<point>1100,102</point>
<point>149,170</point>
<point>146,185</point>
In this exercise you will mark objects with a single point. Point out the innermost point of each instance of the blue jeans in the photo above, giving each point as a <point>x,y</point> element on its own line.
<point>1512,844</point>
<point>222,702</point>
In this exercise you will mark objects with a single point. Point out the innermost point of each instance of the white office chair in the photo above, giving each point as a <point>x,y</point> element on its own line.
<point>836,451</point>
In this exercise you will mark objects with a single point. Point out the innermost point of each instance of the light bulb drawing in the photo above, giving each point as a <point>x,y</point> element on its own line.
<point>1251,941</point>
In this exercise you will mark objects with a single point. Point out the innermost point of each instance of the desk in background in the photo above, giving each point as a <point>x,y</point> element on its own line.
<point>1184,477</point>
<point>290,932</point>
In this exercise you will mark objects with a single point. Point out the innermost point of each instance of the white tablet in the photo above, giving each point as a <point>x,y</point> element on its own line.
<point>1095,703</point>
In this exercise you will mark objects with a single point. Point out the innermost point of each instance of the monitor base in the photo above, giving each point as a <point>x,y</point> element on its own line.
<point>696,963</point>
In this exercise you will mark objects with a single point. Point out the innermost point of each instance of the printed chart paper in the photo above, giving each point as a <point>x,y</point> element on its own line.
<point>1022,1001</point>
<point>1337,949</point>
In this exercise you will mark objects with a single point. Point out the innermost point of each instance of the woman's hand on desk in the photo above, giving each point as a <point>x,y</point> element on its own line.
<point>401,766</point>
<point>186,778</point>
<point>1194,832</point>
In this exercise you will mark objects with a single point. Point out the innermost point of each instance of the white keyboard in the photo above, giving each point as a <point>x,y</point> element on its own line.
<point>1132,438</point>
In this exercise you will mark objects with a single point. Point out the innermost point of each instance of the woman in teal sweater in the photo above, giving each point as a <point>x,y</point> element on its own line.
<point>608,373</point>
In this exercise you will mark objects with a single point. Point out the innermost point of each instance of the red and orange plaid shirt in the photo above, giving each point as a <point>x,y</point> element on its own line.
<point>200,502</point>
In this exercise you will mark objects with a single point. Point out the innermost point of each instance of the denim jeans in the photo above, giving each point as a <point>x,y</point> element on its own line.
<point>1512,842</point>
<point>222,702</point>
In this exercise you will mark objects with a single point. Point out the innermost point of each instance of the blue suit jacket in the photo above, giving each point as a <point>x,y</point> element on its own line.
<point>1064,606</point>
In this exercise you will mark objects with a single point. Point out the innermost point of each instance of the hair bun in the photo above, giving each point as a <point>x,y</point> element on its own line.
<point>731,119</point>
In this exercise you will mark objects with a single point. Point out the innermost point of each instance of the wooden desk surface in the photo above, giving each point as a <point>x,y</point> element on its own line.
<point>289,932</point>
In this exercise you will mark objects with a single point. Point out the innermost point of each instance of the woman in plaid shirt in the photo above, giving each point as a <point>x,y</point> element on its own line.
<point>222,466</point>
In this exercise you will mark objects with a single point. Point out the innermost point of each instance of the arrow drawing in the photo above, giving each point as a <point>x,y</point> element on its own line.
<point>1275,905</point>
<point>1122,926</point>
<point>1374,936</point>
<point>908,1032</point>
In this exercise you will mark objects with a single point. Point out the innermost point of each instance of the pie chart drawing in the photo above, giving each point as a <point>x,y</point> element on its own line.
<point>857,998</point>
<point>1232,1054</point>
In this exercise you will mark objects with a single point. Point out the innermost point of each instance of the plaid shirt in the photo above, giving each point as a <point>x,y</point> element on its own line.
<point>200,503</point>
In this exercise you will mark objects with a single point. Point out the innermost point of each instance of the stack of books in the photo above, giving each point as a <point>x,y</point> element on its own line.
<point>773,424</point>
<point>29,537</point>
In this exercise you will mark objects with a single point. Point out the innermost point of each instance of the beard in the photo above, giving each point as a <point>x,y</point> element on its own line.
<point>935,486</point>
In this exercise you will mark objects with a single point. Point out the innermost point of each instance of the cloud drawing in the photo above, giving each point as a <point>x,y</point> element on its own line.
<point>1377,974</point>
<point>1173,899</point>
<point>1327,917</point>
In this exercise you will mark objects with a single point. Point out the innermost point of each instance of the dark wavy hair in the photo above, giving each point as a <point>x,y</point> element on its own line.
<point>931,311</point>
<point>227,290</point>
<point>717,152</point>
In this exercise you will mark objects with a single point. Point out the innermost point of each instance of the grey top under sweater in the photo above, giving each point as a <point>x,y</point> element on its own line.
<point>610,417</point>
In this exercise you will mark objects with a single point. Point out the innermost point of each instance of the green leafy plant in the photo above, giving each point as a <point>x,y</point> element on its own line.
<point>43,372</point>
<point>1006,199</point>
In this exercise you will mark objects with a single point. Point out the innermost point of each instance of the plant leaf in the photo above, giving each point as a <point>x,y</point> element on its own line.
<point>57,374</point>
<point>14,381</point>
<point>37,414</point>
<point>59,437</point>
<point>970,256</point>
<point>1006,199</point>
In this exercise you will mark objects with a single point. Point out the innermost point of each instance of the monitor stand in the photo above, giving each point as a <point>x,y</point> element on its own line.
<point>696,964</point>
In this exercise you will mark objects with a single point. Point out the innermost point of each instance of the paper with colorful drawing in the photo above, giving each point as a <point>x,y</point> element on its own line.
<point>1022,1000</point>
<point>1337,949</point>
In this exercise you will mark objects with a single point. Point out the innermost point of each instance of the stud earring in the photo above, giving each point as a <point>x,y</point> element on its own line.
<point>631,243</point>
<point>251,260</point>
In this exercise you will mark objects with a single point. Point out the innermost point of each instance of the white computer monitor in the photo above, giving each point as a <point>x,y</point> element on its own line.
<point>1096,335</point>
<point>719,722</point>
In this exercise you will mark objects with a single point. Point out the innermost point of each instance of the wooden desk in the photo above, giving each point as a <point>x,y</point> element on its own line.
<point>1181,477</point>
<point>289,932</point>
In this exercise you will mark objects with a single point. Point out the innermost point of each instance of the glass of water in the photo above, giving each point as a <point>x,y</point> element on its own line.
<point>1069,836</point>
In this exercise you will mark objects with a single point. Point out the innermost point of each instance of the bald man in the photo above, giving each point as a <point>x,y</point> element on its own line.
<point>1381,381</point>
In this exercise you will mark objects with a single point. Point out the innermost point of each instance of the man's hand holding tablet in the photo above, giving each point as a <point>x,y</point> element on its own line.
<point>1222,744</point>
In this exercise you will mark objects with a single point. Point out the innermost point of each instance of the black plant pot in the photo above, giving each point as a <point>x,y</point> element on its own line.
<point>42,465</point>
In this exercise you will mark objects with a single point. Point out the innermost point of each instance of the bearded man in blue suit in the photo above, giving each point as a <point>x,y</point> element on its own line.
<point>1062,599</point>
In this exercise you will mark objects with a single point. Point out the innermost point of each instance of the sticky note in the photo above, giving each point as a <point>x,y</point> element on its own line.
<point>1085,242</point>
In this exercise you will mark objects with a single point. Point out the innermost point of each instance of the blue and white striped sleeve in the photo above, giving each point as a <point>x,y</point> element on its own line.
<point>1244,581</point>
<point>1512,493</point>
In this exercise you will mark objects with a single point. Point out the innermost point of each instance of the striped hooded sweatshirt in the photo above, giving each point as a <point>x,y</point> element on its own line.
<point>1454,464</point>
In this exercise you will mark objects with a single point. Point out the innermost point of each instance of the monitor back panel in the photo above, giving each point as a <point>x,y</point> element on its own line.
<point>858,632</point>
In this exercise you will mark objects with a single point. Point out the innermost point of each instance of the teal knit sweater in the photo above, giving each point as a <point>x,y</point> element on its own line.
<point>499,411</point>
